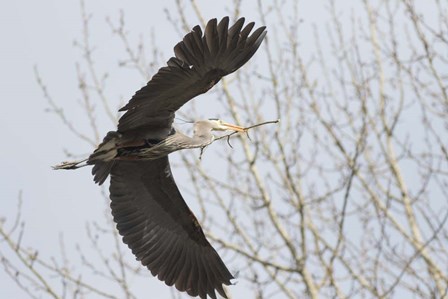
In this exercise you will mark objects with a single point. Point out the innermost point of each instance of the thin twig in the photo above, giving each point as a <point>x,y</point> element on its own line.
<point>246,129</point>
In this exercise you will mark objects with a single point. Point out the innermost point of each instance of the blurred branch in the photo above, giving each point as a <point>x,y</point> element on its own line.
<point>345,198</point>
<point>59,111</point>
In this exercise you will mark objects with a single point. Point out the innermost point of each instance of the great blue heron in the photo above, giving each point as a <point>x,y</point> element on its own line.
<point>149,210</point>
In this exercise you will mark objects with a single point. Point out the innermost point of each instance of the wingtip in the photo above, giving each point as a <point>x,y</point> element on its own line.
<point>241,19</point>
<point>212,22</point>
<point>198,30</point>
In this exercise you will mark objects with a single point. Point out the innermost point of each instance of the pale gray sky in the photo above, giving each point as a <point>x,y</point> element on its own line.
<point>42,34</point>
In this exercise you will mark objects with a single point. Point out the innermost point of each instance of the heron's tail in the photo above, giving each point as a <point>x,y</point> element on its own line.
<point>102,158</point>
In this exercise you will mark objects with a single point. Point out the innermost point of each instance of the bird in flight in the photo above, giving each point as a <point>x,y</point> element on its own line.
<point>150,212</point>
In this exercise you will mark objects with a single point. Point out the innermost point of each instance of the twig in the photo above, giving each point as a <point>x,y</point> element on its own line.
<point>27,260</point>
<point>246,129</point>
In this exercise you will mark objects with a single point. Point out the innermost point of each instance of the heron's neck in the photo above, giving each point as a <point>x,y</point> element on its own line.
<point>201,140</point>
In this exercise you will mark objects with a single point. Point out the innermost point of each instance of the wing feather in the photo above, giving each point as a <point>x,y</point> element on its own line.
<point>181,280</point>
<point>234,32</point>
<point>201,60</point>
<point>160,229</point>
<point>189,45</point>
<point>171,262</point>
<point>211,37</point>
<point>222,33</point>
<point>160,255</point>
<point>202,277</point>
<point>206,280</point>
<point>244,34</point>
<point>196,37</point>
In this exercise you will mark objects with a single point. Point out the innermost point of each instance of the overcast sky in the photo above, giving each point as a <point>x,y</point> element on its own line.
<point>41,34</point>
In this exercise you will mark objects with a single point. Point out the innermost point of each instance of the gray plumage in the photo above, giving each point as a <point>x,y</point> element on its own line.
<point>149,210</point>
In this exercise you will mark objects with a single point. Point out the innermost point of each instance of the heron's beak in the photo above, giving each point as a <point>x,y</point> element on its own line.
<point>232,127</point>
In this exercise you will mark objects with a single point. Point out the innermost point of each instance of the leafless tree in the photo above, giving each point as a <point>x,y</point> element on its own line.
<point>347,197</point>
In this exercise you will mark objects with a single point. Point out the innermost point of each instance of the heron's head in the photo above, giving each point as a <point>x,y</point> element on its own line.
<point>219,125</point>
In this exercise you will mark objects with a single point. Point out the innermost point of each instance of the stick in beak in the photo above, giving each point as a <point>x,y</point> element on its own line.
<point>234,127</point>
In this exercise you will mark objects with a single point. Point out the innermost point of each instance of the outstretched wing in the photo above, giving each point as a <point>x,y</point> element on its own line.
<point>200,61</point>
<point>161,230</point>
